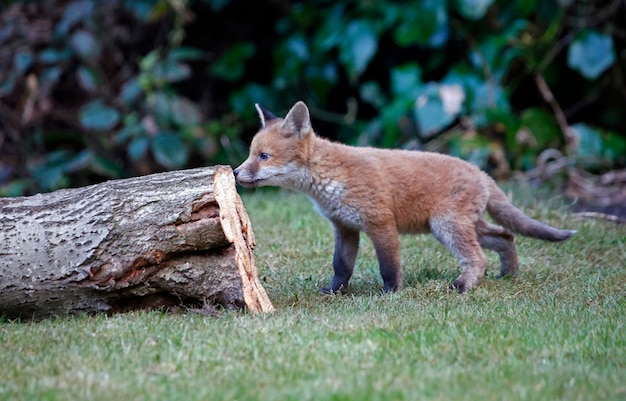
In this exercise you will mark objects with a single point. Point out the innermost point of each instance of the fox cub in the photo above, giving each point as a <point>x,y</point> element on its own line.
<point>389,192</point>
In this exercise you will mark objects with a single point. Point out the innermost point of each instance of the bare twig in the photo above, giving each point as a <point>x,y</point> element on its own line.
<point>599,216</point>
<point>613,177</point>
<point>588,14</point>
<point>560,45</point>
<point>571,141</point>
<point>592,190</point>
<point>549,162</point>
<point>345,119</point>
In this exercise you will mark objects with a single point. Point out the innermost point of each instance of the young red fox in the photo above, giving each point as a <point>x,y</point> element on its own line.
<point>389,192</point>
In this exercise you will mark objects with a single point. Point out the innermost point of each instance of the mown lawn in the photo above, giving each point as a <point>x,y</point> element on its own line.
<point>556,332</point>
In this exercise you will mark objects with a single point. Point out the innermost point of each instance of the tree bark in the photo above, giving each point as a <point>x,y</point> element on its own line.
<point>176,238</point>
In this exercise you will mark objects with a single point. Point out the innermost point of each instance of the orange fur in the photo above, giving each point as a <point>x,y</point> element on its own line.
<point>386,192</point>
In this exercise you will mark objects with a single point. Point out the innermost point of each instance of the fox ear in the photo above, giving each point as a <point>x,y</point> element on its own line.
<point>264,115</point>
<point>297,122</point>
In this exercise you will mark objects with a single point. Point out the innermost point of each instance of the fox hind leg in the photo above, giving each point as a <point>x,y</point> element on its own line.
<point>502,241</point>
<point>459,235</point>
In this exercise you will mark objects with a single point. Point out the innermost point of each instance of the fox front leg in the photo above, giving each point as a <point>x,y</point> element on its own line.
<point>346,248</point>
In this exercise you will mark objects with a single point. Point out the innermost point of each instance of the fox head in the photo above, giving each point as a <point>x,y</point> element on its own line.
<point>279,151</point>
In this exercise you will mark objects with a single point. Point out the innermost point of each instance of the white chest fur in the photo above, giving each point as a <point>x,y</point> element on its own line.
<point>327,196</point>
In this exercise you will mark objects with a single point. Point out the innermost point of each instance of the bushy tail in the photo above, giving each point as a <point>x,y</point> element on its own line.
<point>503,212</point>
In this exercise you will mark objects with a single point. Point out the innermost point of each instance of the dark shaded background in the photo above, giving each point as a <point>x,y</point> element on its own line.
<point>95,90</point>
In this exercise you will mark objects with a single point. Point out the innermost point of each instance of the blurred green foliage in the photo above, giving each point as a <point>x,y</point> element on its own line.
<point>93,90</point>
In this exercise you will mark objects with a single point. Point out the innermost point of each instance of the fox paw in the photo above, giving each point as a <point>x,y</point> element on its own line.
<point>330,291</point>
<point>392,287</point>
<point>459,286</point>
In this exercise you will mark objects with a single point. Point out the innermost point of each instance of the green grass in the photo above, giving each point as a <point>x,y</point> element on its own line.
<point>556,332</point>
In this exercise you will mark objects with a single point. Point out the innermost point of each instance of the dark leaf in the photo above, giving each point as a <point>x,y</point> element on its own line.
<point>50,77</point>
<point>591,54</point>
<point>424,23</point>
<point>252,93</point>
<point>436,106</point>
<point>52,173</point>
<point>131,128</point>
<point>543,127</point>
<point>7,85</point>
<point>596,148</point>
<point>358,46</point>
<point>185,112</point>
<point>176,109</point>
<point>504,121</point>
<point>138,147</point>
<point>15,188</point>
<point>217,5</point>
<point>85,45</point>
<point>392,118</point>
<point>171,71</point>
<point>22,61</point>
<point>75,12</point>
<point>231,66</point>
<point>140,8</point>
<point>474,149</point>
<point>106,167</point>
<point>50,55</point>
<point>472,9</point>
<point>405,80</point>
<point>327,35</point>
<point>97,116</point>
<point>322,78</point>
<point>169,150</point>
<point>88,78</point>
<point>131,91</point>
<point>372,93</point>
<point>186,53</point>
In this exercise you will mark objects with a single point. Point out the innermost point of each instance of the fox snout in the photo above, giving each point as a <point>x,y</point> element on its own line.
<point>242,169</point>
<point>245,175</point>
<point>238,175</point>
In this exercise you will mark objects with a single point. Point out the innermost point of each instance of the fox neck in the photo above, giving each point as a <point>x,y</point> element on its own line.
<point>317,175</point>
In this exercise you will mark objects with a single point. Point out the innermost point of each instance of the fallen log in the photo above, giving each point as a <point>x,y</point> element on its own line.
<point>175,238</point>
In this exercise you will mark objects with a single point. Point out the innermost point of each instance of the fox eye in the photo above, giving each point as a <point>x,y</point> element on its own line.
<point>263,156</point>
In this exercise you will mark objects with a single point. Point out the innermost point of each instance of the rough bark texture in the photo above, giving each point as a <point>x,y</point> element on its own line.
<point>166,239</point>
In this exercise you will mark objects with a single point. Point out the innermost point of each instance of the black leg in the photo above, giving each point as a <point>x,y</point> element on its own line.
<point>387,247</point>
<point>346,248</point>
